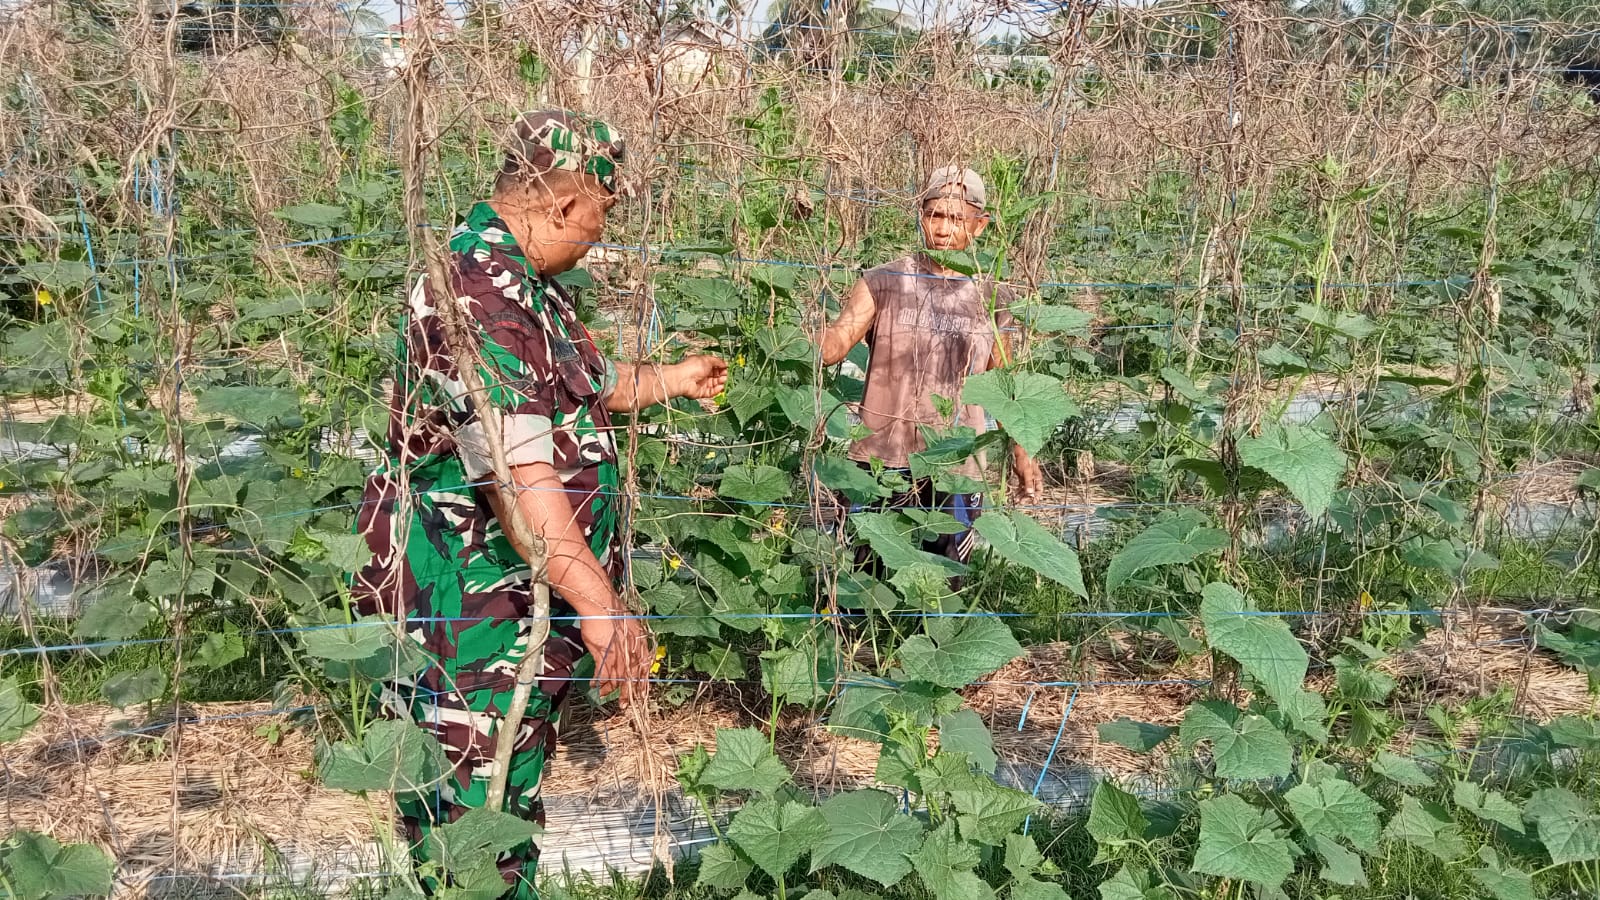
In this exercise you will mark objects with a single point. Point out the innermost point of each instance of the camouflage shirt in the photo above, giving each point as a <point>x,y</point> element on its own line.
<point>439,553</point>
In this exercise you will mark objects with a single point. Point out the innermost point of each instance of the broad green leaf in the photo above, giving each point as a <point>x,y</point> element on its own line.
<point>1400,770</point>
<point>478,837</point>
<point>1490,806</point>
<point>1568,826</point>
<point>1140,737</point>
<point>989,811</point>
<point>344,552</point>
<point>1034,889</point>
<point>744,762</point>
<point>17,715</point>
<point>1177,538</point>
<point>1575,731</point>
<point>1335,808</point>
<point>801,674</point>
<point>36,867</point>
<point>1428,827</point>
<point>785,341</point>
<point>945,862</point>
<point>722,868</point>
<point>706,294</point>
<point>1115,817</point>
<point>1503,882</point>
<point>1019,539</point>
<point>775,834</point>
<point>758,484</point>
<point>1023,857</point>
<point>859,711</point>
<point>884,533</point>
<point>720,663</point>
<point>1300,458</point>
<point>749,398</point>
<point>1132,883</point>
<point>855,483</point>
<point>1056,319</point>
<point>968,648</point>
<point>1243,745</point>
<point>1339,865</point>
<point>1238,840</point>
<point>868,835</point>
<point>316,215</point>
<point>126,689</point>
<point>1027,405</point>
<point>115,617</point>
<point>351,642</point>
<point>963,731</point>
<point>802,406</point>
<point>1306,713</point>
<point>219,648</point>
<point>391,756</point>
<point>1263,645</point>
<point>261,407</point>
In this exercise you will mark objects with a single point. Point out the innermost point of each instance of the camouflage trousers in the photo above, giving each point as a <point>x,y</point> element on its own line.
<point>462,703</point>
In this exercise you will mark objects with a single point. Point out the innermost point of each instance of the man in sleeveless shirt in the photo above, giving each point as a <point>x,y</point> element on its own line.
<point>928,328</point>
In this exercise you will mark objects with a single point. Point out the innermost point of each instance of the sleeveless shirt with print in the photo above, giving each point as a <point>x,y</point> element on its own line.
<point>930,333</point>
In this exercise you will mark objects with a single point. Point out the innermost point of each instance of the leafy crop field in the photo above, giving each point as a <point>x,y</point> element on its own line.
<point>1308,352</point>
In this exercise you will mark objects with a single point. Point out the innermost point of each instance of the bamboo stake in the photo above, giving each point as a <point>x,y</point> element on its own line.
<point>464,351</point>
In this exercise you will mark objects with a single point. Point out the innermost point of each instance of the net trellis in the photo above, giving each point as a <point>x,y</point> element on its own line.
<point>203,247</point>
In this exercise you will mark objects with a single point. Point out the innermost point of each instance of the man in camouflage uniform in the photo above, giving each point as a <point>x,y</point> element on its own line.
<point>433,517</point>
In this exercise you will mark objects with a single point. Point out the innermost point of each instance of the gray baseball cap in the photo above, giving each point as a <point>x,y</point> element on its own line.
<point>954,181</point>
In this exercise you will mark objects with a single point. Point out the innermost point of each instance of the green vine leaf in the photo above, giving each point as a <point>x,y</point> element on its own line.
<point>1568,826</point>
<point>945,862</point>
<point>1115,817</point>
<point>774,834</point>
<point>868,835</point>
<point>963,731</point>
<point>1400,770</point>
<point>1340,865</point>
<point>391,756</point>
<point>36,867</point>
<point>17,715</point>
<point>967,648</point>
<point>1132,883</point>
<point>855,483</point>
<point>1490,806</point>
<point>1263,645</point>
<point>1140,737</point>
<point>1238,840</point>
<point>1034,889</point>
<point>478,838</point>
<point>1181,537</point>
<point>1502,881</point>
<point>1299,457</point>
<point>1428,827</point>
<point>1019,539</point>
<point>1027,405</point>
<point>722,868</point>
<point>883,532</point>
<point>126,689</point>
<point>756,484</point>
<point>1243,745</point>
<point>1334,808</point>
<point>744,762</point>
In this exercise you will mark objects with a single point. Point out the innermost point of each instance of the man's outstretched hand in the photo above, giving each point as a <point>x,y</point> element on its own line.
<point>699,377</point>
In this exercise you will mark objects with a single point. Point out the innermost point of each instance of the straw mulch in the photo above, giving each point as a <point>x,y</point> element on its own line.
<point>243,803</point>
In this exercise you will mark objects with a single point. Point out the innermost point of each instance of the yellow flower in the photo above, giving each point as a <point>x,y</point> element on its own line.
<point>1366,600</point>
<point>2,485</point>
<point>661,653</point>
<point>711,454</point>
<point>43,296</point>
<point>674,563</point>
<point>739,360</point>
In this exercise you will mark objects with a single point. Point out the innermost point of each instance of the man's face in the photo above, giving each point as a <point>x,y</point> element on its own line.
<point>951,223</point>
<point>574,228</point>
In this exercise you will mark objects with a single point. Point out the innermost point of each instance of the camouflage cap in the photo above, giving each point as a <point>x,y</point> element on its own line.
<point>560,139</point>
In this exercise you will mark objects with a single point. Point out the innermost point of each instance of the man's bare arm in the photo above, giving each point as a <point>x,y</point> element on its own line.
<point>854,321</point>
<point>643,385</point>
